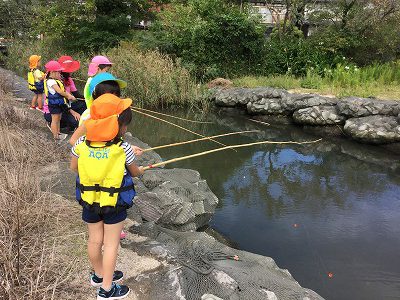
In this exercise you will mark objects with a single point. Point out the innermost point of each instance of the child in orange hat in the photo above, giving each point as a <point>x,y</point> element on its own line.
<point>35,81</point>
<point>105,163</point>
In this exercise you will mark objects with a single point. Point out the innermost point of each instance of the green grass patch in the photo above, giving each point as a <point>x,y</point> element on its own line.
<point>380,81</point>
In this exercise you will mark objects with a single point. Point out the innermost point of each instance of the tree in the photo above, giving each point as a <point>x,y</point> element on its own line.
<point>16,18</point>
<point>92,25</point>
<point>365,30</point>
<point>211,37</point>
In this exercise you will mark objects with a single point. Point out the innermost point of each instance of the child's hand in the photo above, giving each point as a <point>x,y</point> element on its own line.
<point>141,170</point>
<point>137,150</point>
<point>71,97</point>
<point>75,115</point>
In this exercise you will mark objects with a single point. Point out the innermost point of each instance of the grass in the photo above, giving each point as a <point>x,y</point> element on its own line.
<point>41,249</point>
<point>380,81</point>
<point>154,79</point>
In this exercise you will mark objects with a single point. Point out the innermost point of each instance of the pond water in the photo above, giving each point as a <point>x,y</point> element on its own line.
<point>328,212</point>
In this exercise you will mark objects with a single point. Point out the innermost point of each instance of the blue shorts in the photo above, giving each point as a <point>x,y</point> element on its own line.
<point>109,218</point>
<point>37,92</point>
<point>55,109</point>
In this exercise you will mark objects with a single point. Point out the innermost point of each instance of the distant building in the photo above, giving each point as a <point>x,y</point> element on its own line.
<point>273,12</point>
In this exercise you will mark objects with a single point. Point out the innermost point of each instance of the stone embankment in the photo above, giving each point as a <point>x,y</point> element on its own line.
<point>160,263</point>
<point>362,119</point>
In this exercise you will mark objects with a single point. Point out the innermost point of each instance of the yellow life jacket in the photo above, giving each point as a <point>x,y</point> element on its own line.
<point>55,99</point>
<point>101,178</point>
<point>31,80</point>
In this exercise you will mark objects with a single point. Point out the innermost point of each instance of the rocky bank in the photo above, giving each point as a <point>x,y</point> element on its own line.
<point>365,120</point>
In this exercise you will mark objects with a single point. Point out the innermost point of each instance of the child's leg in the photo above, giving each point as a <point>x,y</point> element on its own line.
<point>40,100</point>
<point>111,243</point>
<point>34,99</point>
<point>95,243</point>
<point>55,124</point>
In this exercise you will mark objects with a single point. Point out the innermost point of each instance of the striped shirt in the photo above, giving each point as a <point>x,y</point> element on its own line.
<point>130,156</point>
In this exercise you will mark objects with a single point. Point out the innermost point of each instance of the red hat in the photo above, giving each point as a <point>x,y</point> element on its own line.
<point>69,64</point>
<point>54,66</point>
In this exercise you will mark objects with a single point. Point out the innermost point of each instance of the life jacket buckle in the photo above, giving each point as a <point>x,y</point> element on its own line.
<point>97,187</point>
<point>112,191</point>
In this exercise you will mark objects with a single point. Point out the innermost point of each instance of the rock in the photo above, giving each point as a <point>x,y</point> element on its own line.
<point>318,115</point>
<point>361,107</point>
<point>176,198</point>
<point>374,129</point>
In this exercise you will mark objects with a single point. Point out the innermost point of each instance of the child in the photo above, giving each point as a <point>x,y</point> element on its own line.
<point>35,81</point>
<point>99,64</point>
<point>55,95</point>
<point>104,163</point>
<point>70,65</point>
<point>99,85</point>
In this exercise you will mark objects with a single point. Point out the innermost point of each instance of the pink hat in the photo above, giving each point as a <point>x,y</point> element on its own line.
<point>92,69</point>
<point>54,66</point>
<point>101,60</point>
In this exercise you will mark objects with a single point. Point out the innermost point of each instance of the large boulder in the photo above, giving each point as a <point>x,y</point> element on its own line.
<point>285,103</point>
<point>232,97</point>
<point>175,198</point>
<point>374,129</point>
<point>318,115</point>
<point>362,107</point>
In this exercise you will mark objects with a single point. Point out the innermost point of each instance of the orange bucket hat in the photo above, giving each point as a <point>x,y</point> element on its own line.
<point>33,61</point>
<point>103,123</point>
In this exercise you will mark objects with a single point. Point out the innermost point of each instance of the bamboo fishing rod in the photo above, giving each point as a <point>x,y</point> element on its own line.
<point>183,119</point>
<point>224,148</point>
<point>261,122</point>
<point>180,127</point>
<point>198,140</point>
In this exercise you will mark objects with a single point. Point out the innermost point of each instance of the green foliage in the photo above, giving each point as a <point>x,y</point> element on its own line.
<point>292,54</point>
<point>91,26</point>
<point>212,38</point>
<point>16,18</point>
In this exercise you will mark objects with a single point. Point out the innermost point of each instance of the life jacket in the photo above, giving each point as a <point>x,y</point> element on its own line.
<point>101,184</point>
<point>86,93</point>
<point>32,84</point>
<point>55,99</point>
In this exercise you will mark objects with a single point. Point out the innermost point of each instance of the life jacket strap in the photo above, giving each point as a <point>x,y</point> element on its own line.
<point>107,144</point>
<point>111,190</point>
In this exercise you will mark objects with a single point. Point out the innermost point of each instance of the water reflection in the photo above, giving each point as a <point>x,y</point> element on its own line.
<point>342,196</point>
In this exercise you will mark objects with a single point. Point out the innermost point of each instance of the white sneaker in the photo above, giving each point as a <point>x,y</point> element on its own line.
<point>62,136</point>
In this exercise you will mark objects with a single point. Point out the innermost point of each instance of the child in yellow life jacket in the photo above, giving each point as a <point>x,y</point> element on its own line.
<point>35,81</point>
<point>104,163</point>
<point>55,95</point>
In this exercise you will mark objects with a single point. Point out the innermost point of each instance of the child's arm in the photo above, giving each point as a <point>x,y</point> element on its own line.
<point>74,164</point>
<point>80,131</point>
<point>62,93</point>
<point>133,169</point>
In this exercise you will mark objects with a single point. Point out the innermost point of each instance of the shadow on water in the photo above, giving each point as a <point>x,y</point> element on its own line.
<point>323,209</point>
